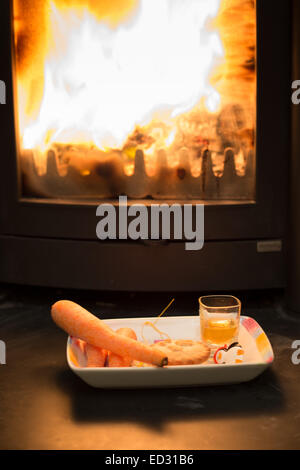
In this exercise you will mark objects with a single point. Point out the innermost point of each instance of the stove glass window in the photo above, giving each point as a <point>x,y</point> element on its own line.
<point>147,98</point>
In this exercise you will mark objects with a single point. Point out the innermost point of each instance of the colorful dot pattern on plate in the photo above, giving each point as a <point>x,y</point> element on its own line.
<point>262,342</point>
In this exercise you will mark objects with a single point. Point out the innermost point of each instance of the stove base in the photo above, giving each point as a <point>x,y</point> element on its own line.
<point>148,266</point>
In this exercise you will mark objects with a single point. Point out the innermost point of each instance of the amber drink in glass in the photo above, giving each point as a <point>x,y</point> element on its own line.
<point>219,319</point>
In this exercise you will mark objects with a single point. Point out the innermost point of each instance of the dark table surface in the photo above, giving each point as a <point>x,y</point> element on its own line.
<point>44,406</point>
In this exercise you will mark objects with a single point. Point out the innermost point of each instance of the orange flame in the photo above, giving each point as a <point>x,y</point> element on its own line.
<point>102,80</point>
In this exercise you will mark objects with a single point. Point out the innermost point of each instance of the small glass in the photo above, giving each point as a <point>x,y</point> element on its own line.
<point>219,319</point>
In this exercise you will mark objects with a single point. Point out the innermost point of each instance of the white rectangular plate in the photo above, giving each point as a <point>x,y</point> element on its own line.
<point>257,357</point>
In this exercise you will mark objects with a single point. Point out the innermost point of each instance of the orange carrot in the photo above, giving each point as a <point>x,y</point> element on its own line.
<point>80,323</point>
<point>96,357</point>
<point>115,360</point>
<point>80,344</point>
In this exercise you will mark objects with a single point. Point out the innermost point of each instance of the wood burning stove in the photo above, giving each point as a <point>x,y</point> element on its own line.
<point>222,141</point>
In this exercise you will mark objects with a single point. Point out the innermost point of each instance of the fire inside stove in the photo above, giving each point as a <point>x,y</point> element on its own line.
<point>147,98</point>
